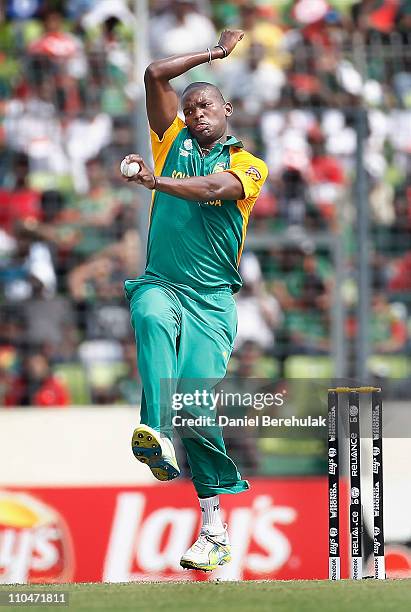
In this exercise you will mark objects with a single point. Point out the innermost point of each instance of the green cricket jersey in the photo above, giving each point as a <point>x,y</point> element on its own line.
<point>199,244</point>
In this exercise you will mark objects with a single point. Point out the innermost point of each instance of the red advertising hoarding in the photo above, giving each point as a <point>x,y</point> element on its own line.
<point>278,530</point>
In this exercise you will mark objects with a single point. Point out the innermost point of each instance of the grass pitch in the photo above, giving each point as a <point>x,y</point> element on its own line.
<point>258,596</point>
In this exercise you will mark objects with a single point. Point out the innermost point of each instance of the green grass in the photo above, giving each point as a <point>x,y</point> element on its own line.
<point>259,596</point>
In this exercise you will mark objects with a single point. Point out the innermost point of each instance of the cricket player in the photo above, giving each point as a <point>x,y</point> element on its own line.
<point>183,313</point>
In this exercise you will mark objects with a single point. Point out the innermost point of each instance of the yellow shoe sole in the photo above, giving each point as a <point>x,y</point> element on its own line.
<point>146,448</point>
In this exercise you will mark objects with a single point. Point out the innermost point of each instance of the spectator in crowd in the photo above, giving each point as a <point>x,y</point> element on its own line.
<point>109,28</point>
<point>187,29</point>
<point>300,275</point>
<point>64,55</point>
<point>388,325</point>
<point>54,230</point>
<point>29,262</point>
<point>402,80</point>
<point>120,145</point>
<point>86,136</point>
<point>388,321</point>
<point>36,385</point>
<point>401,226</point>
<point>303,285</point>
<point>400,280</point>
<point>11,327</point>
<point>253,80</point>
<point>308,326</point>
<point>52,205</point>
<point>325,175</point>
<point>32,126</point>
<point>101,276</point>
<point>403,17</point>
<point>49,320</point>
<point>20,202</point>
<point>261,26</point>
<point>11,338</point>
<point>259,313</point>
<point>90,217</point>
<point>97,285</point>
<point>292,194</point>
<point>375,15</point>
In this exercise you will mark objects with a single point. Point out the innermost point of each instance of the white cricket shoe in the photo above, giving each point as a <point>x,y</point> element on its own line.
<point>208,552</point>
<point>155,451</point>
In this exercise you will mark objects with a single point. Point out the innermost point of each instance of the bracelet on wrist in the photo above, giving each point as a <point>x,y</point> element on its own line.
<point>224,50</point>
<point>155,184</point>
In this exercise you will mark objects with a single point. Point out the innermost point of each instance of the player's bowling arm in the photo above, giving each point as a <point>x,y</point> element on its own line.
<point>161,99</point>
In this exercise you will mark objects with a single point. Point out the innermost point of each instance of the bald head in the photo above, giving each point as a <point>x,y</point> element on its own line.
<point>203,85</point>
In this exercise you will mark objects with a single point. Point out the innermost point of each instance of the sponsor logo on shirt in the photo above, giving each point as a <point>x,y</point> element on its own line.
<point>254,173</point>
<point>177,174</point>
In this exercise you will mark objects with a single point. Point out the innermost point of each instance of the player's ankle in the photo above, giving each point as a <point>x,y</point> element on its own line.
<point>210,512</point>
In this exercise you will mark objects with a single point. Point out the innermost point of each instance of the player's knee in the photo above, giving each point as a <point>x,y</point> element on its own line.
<point>149,321</point>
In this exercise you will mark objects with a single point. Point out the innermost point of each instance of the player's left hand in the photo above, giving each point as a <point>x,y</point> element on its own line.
<point>145,177</point>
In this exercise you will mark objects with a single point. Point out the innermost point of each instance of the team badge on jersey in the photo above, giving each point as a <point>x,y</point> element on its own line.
<point>219,167</point>
<point>254,173</point>
<point>188,147</point>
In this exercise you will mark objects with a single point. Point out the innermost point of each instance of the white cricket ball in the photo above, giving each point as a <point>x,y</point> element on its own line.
<point>129,170</point>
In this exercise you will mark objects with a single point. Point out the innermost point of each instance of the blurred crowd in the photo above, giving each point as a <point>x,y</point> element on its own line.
<point>310,78</point>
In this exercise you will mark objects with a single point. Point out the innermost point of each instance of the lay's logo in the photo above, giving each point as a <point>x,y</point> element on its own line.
<point>35,542</point>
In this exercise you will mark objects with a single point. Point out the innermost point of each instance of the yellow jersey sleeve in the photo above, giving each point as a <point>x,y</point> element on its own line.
<point>251,171</point>
<point>161,146</point>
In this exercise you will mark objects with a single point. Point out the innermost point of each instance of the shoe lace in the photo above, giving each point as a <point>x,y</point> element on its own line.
<point>201,542</point>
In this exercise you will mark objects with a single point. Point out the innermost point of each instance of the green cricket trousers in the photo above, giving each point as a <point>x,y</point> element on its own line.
<point>184,340</point>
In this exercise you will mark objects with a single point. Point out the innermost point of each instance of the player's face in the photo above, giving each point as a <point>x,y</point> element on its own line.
<point>206,114</point>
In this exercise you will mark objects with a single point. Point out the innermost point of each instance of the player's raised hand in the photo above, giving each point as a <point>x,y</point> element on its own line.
<point>145,176</point>
<point>229,39</point>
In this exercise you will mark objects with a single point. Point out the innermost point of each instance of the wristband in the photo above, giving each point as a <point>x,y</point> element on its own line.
<point>209,55</point>
<point>223,49</point>
<point>155,184</point>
